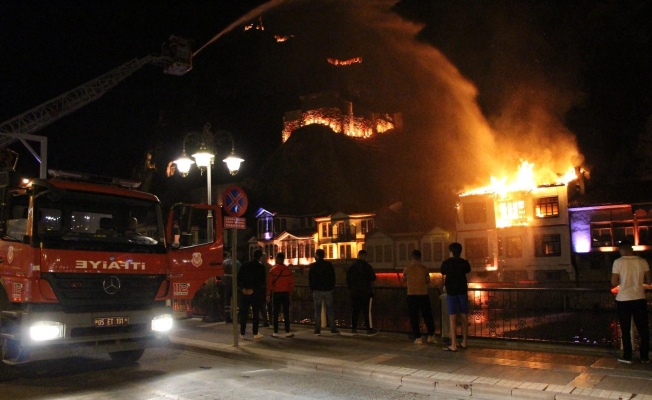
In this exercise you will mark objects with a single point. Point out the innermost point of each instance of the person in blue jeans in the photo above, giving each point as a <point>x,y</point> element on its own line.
<point>321,277</point>
<point>454,270</point>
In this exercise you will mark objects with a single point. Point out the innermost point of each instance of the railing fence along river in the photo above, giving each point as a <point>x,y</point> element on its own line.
<point>557,315</point>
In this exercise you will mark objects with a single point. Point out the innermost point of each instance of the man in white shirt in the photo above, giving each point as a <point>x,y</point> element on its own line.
<point>631,273</point>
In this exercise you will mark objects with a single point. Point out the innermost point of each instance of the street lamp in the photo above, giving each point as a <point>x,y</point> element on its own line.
<point>205,157</point>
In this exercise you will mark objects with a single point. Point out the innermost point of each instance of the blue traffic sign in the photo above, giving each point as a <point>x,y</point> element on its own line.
<point>235,201</point>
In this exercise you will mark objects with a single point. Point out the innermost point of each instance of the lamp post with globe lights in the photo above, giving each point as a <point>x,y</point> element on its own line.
<point>205,158</point>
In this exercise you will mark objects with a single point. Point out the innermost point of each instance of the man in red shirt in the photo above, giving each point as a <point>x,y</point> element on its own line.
<point>280,285</point>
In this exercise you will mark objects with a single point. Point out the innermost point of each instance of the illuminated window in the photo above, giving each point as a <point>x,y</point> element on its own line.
<point>401,252</point>
<point>363,227</point>
<point>476,250</point>
<point>388,253</point>
<point>345,251</point>
<point>546,207</point>
<point>330,230</point>
<point>329,251</point>
<point>547,245</point>
<point>324,230</point>
<point>510,212</point>
<point>427,252</point>
<point>379,253</point>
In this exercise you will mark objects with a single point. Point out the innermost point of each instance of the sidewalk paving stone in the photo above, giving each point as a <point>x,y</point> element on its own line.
<point>484,370</point>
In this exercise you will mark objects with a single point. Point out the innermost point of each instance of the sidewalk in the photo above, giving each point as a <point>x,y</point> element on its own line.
<point>487,369</point>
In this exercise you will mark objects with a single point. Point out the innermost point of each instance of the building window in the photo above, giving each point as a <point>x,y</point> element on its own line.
<point>330,230</point>
<point>329,251</point>
<point>511,213</point>
<point>622,232</point>
<point>277,225</point>
<point>401,252</point>
<point>388,253</point>
<point>475,212</point>
<point>546,207</point>
<point>284,224</point>
<point>427,252</point>
<point>547,245</point>
<point>324,230</point>
<point>437,254</point>
<point>513,247</point>
<point>379,253</point>
<point>601,235</point>
<point>645,234</point>
<point>476,251</point>
<point>363,227</point>
<point>370,225</point>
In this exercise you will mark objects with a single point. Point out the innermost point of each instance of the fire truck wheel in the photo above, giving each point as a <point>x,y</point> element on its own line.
<point>127,357</point>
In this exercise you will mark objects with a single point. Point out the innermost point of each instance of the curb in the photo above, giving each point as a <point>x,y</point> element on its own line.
<point>423,380</point>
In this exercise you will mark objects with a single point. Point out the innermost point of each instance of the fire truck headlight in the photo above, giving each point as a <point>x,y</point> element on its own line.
<point>162,323</point>
<point>46,330</point>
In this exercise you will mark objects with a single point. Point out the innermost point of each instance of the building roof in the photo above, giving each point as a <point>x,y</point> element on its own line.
<point>616,194</point>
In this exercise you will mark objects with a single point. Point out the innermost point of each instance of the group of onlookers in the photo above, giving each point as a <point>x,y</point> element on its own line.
<point>259,288</point>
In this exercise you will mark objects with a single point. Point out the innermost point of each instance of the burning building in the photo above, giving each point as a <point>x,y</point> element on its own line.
<point>517,231</point>
<point>331,110</point>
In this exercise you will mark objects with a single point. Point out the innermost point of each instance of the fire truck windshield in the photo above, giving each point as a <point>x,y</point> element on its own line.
<point>98,222</point>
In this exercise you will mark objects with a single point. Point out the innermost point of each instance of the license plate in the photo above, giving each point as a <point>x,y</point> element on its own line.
<point>111,321</point>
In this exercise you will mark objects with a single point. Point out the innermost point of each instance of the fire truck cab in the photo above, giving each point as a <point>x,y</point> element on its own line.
<point>88,267</point>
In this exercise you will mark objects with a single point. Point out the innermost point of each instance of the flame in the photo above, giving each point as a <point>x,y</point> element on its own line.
<point>281,39</point>
<point>350,125</point>
<point>351,61</point>
<point>524,181</point>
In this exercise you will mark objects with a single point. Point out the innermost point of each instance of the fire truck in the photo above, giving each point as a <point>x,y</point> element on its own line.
<point>88,264</point>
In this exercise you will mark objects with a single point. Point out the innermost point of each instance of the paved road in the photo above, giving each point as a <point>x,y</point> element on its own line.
<point>173,374</point>
<point>495,369</point>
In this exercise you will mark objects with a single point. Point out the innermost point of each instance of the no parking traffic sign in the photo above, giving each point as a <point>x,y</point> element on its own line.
<point>235,201</point>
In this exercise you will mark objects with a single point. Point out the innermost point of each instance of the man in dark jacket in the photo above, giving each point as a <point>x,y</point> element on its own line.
<point>251,286</point>
<point>359,278</point>
<point>321,276</point>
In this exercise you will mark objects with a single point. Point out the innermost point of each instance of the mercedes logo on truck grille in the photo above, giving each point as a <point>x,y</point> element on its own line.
<point>111,285</point>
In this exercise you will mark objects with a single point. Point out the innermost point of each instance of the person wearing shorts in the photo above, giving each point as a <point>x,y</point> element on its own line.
<point>454,270</point>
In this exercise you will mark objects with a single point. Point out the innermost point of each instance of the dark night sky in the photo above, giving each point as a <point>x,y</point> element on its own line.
<point>593,57</point>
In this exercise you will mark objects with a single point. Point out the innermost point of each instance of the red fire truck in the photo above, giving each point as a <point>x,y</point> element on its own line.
<point>87,266</point>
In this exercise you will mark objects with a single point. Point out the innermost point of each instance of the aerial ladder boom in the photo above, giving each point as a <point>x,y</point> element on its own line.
<point>176,60</point>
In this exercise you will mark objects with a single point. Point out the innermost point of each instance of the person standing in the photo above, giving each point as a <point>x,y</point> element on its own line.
<point>454,270</point>
<point>321,277</point>
<point>251,281</point>
<point>631,273</point>
<point>359,279</point>
<point>280,285</point>
<point>266,307</point>
<point>417,278</point>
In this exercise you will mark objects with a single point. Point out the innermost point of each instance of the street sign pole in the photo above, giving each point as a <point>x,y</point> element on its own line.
<point>235,203</point>
<point>234,283</point>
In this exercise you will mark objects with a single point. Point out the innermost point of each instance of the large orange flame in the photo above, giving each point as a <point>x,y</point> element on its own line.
<point>524,180</point>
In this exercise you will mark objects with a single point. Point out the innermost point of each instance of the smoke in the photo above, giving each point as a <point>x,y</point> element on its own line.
<point>449,144</point>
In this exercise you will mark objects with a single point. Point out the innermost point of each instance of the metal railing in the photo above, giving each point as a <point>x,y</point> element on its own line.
<point>559,315</point>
